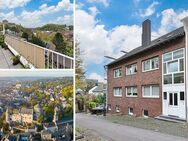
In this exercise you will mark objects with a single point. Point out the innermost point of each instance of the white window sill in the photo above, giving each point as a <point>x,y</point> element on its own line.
<point>117,95</point>
<point>150,96</point>
<point>130,114</point>
<point>131,96</point>
<point>130,74</point>
<point>118,77</point>
<point>150,70</point>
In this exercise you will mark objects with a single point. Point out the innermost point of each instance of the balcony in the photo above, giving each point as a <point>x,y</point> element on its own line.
<point>34,56</point>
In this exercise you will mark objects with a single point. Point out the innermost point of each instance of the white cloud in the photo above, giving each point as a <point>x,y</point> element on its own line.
<point>13,3</point>
<point>104,2</point>
<point>171,19</point>
<point>97,42</point>
<point>100,42</point>
<point>34,18</point>
<point>66,19</point>
<point>94,11</point>
<point>96,76</point>
<point>149,11</point>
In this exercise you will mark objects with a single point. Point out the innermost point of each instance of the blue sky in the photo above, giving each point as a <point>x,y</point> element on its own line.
<point>33,13</point>
<point>115,25</point>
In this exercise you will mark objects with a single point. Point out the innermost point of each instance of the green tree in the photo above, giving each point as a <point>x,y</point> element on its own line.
<point>33,102</point>
<point>59,42</point>
<point>40,119</point>
<point>37,41</point>
<point>25,35</point>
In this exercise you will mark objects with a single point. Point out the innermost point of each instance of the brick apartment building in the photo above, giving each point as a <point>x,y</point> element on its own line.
<point>151,80</point>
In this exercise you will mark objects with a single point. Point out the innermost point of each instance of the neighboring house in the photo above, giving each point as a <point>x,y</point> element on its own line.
<point>151,80</point>
<point>22,115</point>
<point>96,90</point>
<point>46,135</point>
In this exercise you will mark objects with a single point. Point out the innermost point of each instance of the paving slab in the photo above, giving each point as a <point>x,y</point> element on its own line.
<point>6,60</point>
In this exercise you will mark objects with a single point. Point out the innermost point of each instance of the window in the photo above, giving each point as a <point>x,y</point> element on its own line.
<point>145,113</point>
<point>117,108</point>
<point>118,91</point>
<point>178,54</point>
<point>131,69</point>
<point>130,110</point>
<point>150,64</point>
<point>173,67</point>
<point>167,57</point>
<point>182,97</point>
<point>109,107</point>
<point>173,99</point>
<point>150,91</point>
<point>165,95</point>
<point>178,78</point>
<point>117,73</point>
<point>168,79</point>
<point>131,91</point>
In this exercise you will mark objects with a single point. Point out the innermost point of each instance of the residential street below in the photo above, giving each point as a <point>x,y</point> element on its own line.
<point>116,132</point>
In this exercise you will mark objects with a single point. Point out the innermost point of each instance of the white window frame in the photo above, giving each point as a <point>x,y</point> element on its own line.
<point>129,111</point>
<point>145,115</point>
<point>173,73</point>
<point>117,110</point>
<point>131,91</point>
<point>120,91</point>
<point>119,74</point>
<point>151,89</point>
<point>150,67</point>
<point>131,67</point>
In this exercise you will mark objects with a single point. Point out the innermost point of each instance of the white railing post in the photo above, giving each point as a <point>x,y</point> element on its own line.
<point>48,59</point>
<point>57,61</point>
<point>52,60</point>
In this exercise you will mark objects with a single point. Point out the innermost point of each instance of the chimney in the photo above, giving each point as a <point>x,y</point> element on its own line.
<point>146,32</point>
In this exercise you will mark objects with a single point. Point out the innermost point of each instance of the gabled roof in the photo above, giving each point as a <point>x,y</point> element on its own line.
<point>165,38</point>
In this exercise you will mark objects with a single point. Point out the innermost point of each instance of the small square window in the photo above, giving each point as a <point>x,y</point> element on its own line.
<point>145,113</point>
<point>165,95</point>
<point>182,97</point>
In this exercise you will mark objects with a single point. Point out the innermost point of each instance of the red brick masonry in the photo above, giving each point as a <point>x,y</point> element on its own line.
<point>153,105</point>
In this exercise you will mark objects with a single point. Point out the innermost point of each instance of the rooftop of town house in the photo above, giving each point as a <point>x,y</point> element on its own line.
<point>26,111</point>
<point>6,61</point>
<point>179,32</point>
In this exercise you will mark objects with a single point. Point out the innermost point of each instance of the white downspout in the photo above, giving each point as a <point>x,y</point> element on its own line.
<point>185,24</point>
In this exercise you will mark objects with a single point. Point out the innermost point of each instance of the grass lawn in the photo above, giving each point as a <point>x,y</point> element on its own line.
<point>177,129</point>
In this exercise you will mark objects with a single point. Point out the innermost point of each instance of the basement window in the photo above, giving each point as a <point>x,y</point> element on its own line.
<point>130,111</point>
<point>109,107</point>
<point>117,108</point>
<point>145,113</point>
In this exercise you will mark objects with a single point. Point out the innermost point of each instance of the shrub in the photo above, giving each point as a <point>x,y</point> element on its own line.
<point>16,60</point>
<point>4,46</point>
<point>92,105</point>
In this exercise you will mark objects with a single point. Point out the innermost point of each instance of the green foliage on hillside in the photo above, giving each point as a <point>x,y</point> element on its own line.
<point>52,27</point>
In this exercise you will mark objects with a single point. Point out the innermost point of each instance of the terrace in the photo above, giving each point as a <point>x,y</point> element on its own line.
<point>32,56</point>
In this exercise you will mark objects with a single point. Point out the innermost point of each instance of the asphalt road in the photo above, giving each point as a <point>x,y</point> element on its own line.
<point>116,132</point>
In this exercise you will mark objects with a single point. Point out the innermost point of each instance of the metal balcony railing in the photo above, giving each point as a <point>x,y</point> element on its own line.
<point>38,56</point>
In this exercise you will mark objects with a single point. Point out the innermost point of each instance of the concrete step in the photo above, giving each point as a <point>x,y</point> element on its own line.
<point>171,119</point>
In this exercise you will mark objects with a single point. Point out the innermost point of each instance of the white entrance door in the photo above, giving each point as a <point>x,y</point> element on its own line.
<point>174,104</point>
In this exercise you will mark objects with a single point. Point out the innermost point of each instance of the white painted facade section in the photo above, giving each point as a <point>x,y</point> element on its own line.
<point>185,24</point>
<point>174,110</point>
<point>172,105</point>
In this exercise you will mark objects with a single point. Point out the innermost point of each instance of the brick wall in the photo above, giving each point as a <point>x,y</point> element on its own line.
<point>153,105</point>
